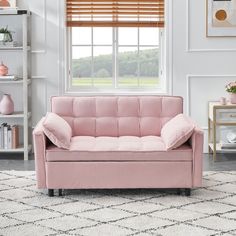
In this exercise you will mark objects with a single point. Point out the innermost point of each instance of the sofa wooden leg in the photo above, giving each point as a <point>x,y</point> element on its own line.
<point>178,191</point>
<point>50,192</point>
<point>59,192</point>
<point>187,191</point>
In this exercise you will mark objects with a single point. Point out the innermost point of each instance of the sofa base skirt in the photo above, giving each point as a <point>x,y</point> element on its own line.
<point>105,175</point>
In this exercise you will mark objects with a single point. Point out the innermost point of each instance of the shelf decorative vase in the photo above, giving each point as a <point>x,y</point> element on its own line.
<point>3,69</point>
<point>232,98</point>
<point>6,105</point>
<point>4,3</point>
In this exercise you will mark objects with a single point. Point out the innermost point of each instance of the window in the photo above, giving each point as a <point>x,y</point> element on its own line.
<point>105,58</point>
<point>115,45</point>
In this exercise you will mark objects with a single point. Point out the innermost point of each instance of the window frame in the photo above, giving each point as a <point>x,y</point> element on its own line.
<point>161,89</point>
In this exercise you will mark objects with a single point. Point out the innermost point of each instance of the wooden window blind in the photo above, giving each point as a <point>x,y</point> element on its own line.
<point>111,13</point>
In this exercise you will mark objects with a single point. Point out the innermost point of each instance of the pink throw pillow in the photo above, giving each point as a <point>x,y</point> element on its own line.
<point>57,130</point>
<point>177,131</point>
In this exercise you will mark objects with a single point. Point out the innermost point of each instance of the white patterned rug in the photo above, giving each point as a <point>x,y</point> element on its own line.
<point>24,210</point>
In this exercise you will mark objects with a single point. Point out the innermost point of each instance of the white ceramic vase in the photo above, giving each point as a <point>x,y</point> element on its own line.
<point>232,98</point>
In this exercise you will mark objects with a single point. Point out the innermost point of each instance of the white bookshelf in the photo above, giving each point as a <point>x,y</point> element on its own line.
<point>19,81</point>
<point>24,116</point>
<point>20,149</point>
<point>19,114</point>
<point>13,48</point>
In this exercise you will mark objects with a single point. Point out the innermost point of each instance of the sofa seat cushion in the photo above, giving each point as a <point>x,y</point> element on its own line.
<point>124,148</point>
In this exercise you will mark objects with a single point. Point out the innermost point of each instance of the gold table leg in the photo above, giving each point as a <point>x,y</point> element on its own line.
<point>209,136</point>
<point>214,134</point>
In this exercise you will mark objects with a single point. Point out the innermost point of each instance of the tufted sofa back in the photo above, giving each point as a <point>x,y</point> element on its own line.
<point>117,115</point>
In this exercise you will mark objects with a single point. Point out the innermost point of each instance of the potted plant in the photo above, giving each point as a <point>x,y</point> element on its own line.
<point>5,35</point>
<point>231,89</point>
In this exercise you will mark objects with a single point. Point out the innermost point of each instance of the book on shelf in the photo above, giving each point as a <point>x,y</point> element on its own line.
<point>15,136</point>
<point>9,136</point>
<point>2,135</point>
<point>5,140</point>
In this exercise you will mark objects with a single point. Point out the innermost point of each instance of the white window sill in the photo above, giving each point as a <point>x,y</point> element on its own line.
<point>115,92</point>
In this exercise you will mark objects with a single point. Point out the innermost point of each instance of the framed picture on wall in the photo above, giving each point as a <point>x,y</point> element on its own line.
<point>221,18</point>
<point>7,3</point>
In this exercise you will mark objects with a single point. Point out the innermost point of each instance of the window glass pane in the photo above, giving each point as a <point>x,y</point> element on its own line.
<point>102,66</point>
<point>137,66</point>
<point>128,67</point>
<point>82,66</point>
<point>81,52</point>
<point>149,36</point>
<point>128,36</point>
<point>148,67</point>
<point>81,35</point>
<point>102,35</point>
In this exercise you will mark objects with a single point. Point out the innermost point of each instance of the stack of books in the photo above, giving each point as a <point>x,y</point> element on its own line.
<point>227,145</point>
<point>9,136</point>
<point>230,142</point>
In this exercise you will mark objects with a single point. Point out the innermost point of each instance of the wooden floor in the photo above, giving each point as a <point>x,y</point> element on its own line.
<point>223,162</point>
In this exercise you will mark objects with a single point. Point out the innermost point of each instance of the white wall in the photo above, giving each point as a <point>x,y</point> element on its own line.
<point>45,53</point>
<point>200,66</point>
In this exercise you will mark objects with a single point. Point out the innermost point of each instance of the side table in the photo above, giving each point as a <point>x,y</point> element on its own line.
<point>219,115</point>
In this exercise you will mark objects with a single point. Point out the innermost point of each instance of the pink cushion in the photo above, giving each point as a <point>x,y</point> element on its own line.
<point>117,144</point>
<point>57,130</point>
<point>125,148</point>
<point>177,131</point>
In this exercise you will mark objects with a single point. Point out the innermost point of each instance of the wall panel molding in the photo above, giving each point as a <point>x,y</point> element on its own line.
<point>44,16</point>
<point>169,46</point>
<point>63,60</point>
<point>188,48</point>
<point>39,77</point>
<point>59,64</point>
<point>39,103</point>
<point>189,77</point>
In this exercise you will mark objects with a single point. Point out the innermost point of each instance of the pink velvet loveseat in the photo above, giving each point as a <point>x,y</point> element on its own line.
<point>116,143</point>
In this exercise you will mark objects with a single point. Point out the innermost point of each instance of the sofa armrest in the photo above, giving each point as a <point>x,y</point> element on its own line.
<point>196,141</point>
<point>39,140</point>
